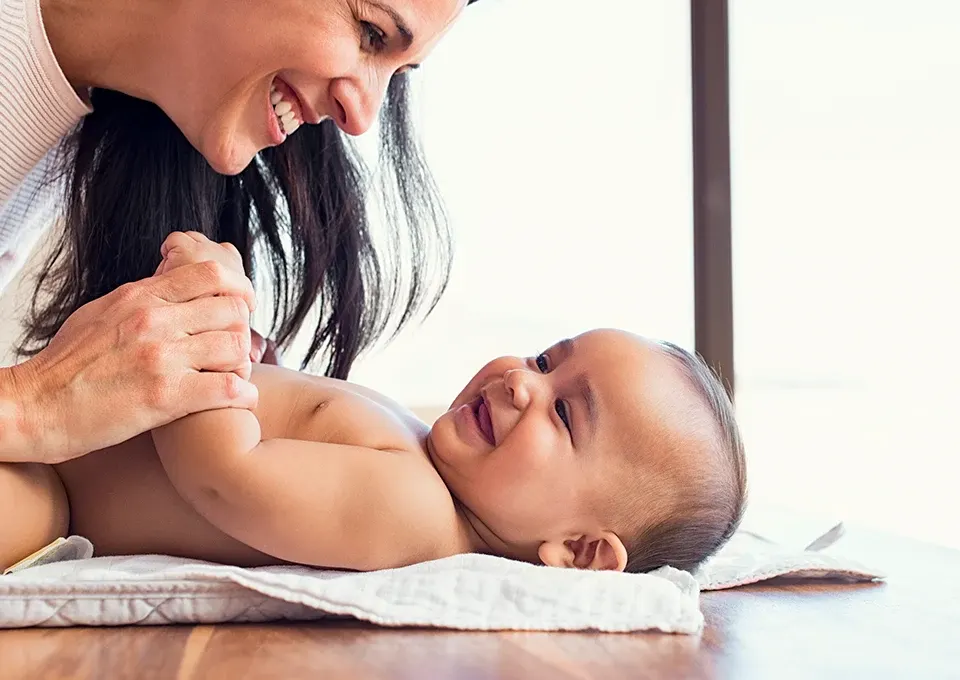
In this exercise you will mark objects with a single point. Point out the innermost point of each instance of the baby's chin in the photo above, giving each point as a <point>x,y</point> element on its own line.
<point>435,440</point>
<point>432,453</point>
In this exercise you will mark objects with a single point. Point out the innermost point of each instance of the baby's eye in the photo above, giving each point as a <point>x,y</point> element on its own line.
<point>542,363</point>
<point>373,39</point>
<point>561,409</point>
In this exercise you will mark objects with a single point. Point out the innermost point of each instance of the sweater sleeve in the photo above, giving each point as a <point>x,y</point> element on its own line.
<point>37,108</point>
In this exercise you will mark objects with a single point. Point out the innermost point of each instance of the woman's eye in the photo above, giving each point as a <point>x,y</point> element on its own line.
<point>542,363</point>
<point>373,39</point>
<point>561,409</point>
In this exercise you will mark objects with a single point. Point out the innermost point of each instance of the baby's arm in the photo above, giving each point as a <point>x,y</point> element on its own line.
<point>307,502</point>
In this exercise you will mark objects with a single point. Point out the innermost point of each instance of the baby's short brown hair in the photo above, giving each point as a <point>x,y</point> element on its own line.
<point>712,500</point>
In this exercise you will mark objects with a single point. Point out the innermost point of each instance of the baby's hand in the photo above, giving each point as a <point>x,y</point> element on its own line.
<point>191,247</point>
<point>263,350</point>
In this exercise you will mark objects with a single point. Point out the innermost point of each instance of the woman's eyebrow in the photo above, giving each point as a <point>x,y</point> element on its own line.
<point>405,33</point>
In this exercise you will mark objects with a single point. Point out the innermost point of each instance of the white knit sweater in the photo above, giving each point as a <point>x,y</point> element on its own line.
<point>37,108</point>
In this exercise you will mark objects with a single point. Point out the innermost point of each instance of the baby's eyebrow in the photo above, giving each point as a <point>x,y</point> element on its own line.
<point>589,398</point>
<point>567,347</point>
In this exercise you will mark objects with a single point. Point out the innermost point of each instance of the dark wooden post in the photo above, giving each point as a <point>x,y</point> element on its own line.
<point>712,248</point>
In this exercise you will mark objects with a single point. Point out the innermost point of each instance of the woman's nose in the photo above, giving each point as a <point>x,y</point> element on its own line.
<point>356,102</point>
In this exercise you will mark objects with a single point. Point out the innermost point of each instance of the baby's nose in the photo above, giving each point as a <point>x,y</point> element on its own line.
<point>519,384</point>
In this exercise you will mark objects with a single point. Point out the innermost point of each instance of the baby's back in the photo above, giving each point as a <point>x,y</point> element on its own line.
<point>121,499</point>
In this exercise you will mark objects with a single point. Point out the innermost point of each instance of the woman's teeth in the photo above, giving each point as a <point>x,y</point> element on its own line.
<point>284,112</point>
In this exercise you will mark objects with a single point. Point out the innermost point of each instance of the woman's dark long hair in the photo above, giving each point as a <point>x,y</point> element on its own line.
<point>298,215</point>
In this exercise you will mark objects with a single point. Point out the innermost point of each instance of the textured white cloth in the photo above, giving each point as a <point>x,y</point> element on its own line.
<point>469,592</point>
<point>37,108</point>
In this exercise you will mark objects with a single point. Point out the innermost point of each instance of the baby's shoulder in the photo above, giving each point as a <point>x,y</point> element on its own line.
<point>337,412</point>
<point>297,405</point>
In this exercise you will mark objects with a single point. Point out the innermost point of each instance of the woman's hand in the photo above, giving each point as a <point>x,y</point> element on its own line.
<point>190,247</point>
<point>148,353</point>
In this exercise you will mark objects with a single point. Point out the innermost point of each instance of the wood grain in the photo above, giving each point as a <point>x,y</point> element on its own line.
<point>908,627</point>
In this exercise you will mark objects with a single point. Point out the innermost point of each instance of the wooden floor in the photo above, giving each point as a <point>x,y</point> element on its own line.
<point>907,628</point>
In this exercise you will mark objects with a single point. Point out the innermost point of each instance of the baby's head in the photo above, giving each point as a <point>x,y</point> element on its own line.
<point>607,451</point>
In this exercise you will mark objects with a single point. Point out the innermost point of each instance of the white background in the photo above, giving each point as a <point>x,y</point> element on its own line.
<point>846,174</point>
<point>559,132</point>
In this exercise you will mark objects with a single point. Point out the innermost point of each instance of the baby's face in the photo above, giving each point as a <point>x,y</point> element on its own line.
<point>540,448</point>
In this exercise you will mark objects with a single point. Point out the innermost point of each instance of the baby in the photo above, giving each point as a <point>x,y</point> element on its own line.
<point>606,451</point>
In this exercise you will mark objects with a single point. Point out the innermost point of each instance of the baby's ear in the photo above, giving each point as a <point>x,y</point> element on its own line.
<point>602,552</point>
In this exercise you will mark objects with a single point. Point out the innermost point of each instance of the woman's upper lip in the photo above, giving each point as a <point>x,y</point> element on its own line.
<point>310,114</point>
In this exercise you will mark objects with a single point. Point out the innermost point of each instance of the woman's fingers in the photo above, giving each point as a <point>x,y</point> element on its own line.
<point>225,313</point>
<point>206,391</point>
<point>220,351</point>
<point>232,250</point>
<point>202,279</point>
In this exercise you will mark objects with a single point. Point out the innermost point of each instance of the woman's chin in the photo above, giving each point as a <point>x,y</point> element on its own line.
<point>230,164</point>
<point>228,155</point>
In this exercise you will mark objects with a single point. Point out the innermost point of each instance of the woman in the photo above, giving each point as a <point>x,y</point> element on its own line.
<point>220,117</point>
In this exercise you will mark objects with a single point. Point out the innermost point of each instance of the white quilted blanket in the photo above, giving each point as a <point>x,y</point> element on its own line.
<point>470,592</point>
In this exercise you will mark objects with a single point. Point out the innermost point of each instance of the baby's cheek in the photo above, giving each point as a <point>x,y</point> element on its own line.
<point>534,449</point>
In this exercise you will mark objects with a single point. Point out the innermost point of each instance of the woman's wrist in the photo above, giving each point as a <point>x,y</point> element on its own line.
<point>17,442</point>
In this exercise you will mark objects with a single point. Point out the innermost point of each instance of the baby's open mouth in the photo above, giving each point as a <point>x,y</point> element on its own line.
<point>482,413</point>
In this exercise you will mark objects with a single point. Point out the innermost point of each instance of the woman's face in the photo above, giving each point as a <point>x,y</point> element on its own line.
<point>257,69</point>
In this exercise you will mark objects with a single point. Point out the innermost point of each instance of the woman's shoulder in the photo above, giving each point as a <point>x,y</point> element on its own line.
<point>38,105</point>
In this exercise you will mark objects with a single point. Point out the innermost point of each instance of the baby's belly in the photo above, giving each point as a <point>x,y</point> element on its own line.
<point>121,500</point>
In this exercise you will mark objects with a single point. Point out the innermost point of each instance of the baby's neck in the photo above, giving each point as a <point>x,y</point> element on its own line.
<point>475,536</point>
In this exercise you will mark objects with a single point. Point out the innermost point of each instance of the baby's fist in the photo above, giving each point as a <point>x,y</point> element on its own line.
<point>191,247</point>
